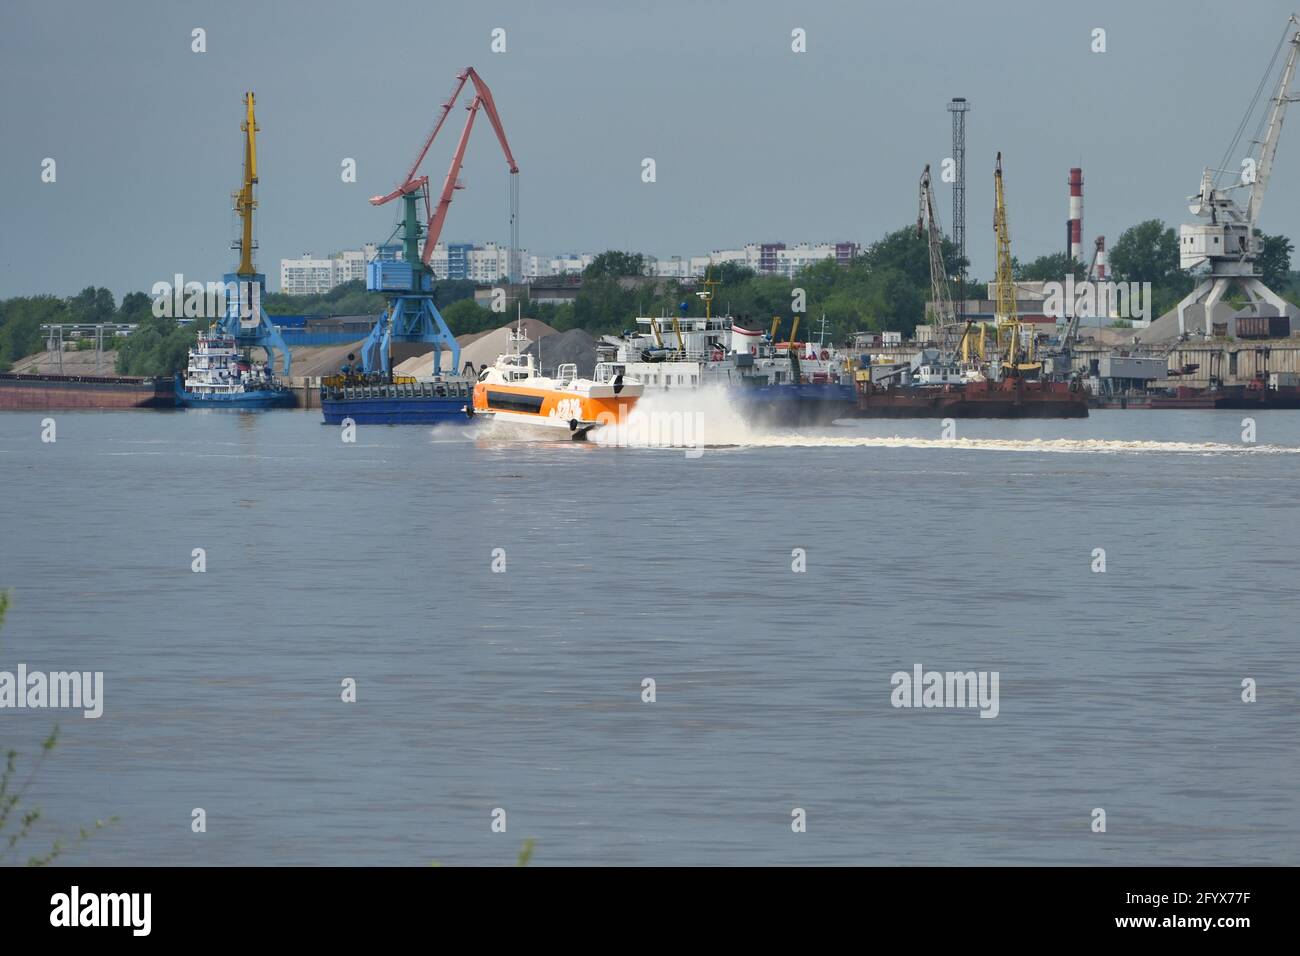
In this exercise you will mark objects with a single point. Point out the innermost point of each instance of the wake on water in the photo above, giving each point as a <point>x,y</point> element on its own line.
<point>707,418</point>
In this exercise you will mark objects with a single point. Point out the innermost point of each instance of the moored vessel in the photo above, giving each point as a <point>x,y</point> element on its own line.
<point>1257,394</point>
<point>783,383</point>
<point>219,376</point>
<point>1011,397</point>
<point>19,392</point>
<point>401,401</point>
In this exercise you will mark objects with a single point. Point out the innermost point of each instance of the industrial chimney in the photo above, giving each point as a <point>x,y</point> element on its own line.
<point>1099,259</point>
<point>1076,214</point>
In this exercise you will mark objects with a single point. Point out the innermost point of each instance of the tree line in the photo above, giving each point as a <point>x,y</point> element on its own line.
<point>885,288</point>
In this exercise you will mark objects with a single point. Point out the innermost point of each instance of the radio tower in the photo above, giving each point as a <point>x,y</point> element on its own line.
<point>958,108</point>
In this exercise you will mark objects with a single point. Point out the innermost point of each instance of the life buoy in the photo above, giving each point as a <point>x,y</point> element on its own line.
<point>717,355</point>
<point>825,354</point>
<point>753,350</point>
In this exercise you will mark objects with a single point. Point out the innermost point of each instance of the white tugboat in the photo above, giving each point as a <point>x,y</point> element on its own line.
<point>218,376</point>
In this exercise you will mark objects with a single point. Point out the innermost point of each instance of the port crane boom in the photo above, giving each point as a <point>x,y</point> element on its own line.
<point>1008,322</point>
<point>927,225</point>
<point>411,315</point>
<point>419,184</point>
<point>243,317</point>
<point>940,292</point>
<point>245,203</point>
<point>1228,243</point>
<point>1268,149</point>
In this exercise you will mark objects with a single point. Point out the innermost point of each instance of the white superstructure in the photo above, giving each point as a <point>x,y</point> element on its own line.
<point>718,351</point>
<point>216,368</point>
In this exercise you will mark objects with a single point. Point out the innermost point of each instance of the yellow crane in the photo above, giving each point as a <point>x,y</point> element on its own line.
<point>1008,322</point>
<point>242,314</point>
<point>244,201</point>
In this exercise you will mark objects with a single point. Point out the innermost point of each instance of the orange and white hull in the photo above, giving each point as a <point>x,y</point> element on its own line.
<point>512,392</point>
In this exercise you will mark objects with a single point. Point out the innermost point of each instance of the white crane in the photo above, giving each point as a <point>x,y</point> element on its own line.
<point>1228,242</point>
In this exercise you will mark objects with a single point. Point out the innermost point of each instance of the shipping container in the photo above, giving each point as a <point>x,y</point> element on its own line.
<point>1119,366</point>
<point>1252,327</point>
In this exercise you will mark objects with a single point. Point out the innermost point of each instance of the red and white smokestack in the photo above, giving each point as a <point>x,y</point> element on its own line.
<point>1076,214</point>
<point>1099,260</point>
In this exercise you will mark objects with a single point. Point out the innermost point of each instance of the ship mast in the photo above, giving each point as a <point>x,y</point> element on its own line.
<point>709,284</point>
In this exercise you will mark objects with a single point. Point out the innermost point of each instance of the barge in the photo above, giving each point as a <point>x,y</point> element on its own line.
<point>24,392</point>
<point>396,403</point>
<point>1011,397</point>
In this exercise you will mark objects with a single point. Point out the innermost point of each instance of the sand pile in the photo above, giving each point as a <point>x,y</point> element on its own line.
<point>479,348</point>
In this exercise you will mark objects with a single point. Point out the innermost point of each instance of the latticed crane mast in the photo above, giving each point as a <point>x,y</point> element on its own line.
<point>1008,322</point>
<point>927,225</point>
<point>243,317</point>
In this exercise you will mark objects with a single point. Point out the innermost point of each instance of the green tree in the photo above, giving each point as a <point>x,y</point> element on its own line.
<point>903,250</point>
<point>20,325</point>
<point>615,264</point>
<point>560,316</point>
<point>895,301</point>
<point>1275,260</point>
<point>732,273</point>
<point>158,346</point>
<point>465,316</point>
<point>1147,252</point>
<point>448,291</point>
<point>603,305</point>
<point>135,307</point>
<point>1053,267</point>
<point>92,305</point>
<point>346,298</point>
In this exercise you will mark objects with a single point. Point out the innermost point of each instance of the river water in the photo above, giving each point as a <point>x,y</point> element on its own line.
<point>521,689</point>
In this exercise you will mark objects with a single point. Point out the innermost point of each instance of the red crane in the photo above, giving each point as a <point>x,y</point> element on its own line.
<point>419,184</point>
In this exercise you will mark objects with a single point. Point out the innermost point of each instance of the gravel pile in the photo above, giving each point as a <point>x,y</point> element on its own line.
<point>576,346</point>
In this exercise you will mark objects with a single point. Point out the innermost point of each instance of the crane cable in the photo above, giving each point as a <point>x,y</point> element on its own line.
<point>514,259</point>
<point>1250,110</point>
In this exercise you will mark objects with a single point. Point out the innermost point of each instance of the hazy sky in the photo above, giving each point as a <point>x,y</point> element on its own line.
<point>752,141</point>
